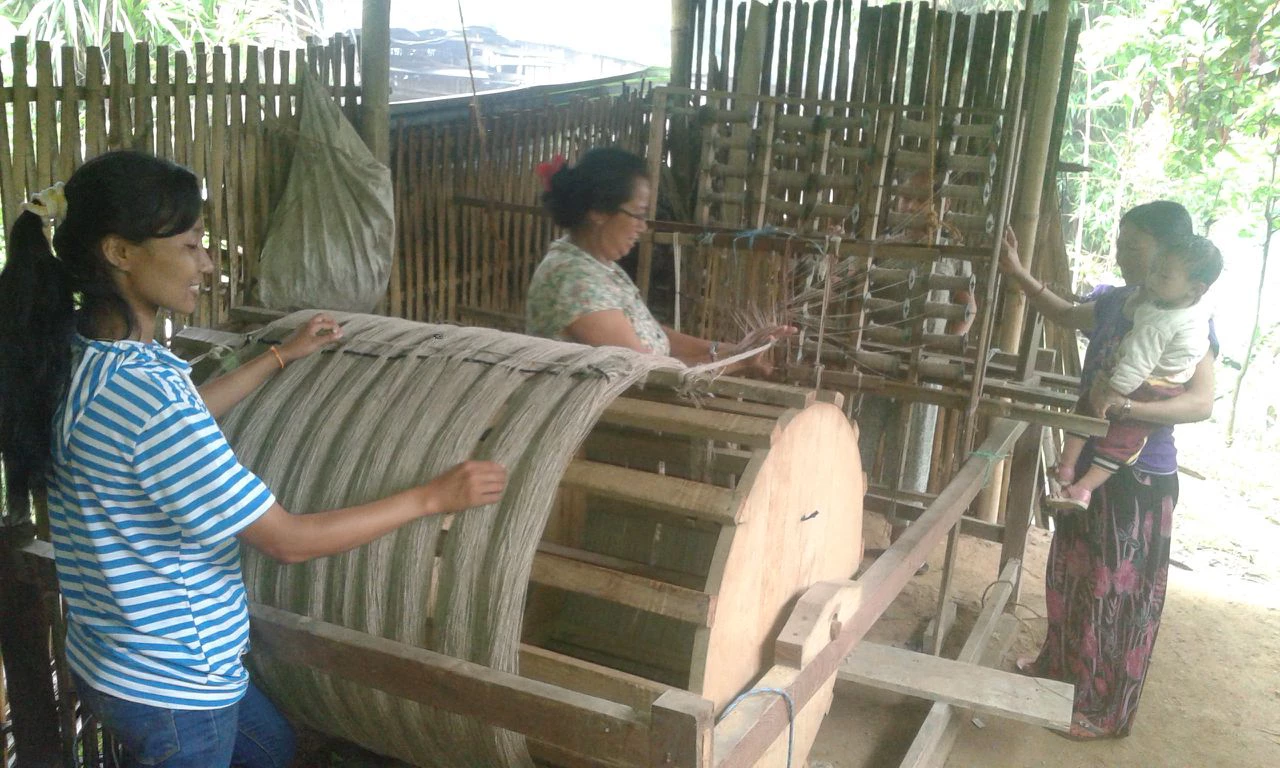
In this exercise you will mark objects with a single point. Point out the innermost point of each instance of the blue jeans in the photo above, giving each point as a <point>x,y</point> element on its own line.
<point>250,733</point>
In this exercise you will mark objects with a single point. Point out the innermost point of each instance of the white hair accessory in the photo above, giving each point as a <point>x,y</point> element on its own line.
<point>50,205</point>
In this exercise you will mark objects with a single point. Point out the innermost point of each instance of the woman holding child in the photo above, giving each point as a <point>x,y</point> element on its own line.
<point>1109,562</point>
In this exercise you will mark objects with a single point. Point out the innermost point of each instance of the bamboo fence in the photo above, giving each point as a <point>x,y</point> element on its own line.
<point>468,229</point>
<point>229,114</point>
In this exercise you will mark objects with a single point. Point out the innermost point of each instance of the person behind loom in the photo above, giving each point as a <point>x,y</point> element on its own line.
<point>579,293</point>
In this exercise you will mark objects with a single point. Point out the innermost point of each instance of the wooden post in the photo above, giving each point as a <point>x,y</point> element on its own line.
<point>375,78</point>
<point>1026,213</point>
<point>24,644</point>
<point>1023,477</point>
<point>681,43</point>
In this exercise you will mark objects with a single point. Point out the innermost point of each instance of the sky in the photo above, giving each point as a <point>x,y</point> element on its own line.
<point>638,30</point>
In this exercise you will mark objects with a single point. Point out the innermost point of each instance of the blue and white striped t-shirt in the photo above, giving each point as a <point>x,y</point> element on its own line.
<point>144,505</point>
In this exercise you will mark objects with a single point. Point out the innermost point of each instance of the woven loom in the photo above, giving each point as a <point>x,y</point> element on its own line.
<point>397,403</point>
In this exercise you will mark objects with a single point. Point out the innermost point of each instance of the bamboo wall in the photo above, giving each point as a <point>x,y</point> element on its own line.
<point>839,49</point>
<point>467,240</point>
<point>229,114</point>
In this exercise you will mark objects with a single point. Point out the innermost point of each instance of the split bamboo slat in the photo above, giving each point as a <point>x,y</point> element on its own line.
<point>226,114</point>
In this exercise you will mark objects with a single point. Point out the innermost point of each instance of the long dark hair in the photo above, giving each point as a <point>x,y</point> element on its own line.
<point>1166,221</point>
<point>45,297</point>
<point>603,179</point>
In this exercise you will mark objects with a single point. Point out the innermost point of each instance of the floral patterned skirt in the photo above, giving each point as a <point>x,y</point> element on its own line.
<point>1105,589</point>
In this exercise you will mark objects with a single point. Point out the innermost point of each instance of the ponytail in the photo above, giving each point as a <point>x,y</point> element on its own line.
<point>44,298</point>
<point>37,317</point>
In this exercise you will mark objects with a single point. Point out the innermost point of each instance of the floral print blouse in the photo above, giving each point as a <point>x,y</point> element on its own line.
<point>570,283</point>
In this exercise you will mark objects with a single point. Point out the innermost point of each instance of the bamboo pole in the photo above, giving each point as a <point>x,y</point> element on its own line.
<point>1026,213</point>
<point>682,12</point>
<point>375,66</point>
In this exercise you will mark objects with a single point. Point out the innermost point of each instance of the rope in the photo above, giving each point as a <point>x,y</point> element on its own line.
<point>992,458</point>
<point>791,712</point>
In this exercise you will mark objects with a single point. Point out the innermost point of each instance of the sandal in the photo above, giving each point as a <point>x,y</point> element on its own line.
<point>1083,730</point>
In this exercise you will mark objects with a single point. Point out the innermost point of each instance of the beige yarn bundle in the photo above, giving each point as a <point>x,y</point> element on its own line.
<point>395,404</point>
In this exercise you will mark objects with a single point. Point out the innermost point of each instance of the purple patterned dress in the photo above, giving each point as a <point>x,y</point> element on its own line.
<point>1108,566</point>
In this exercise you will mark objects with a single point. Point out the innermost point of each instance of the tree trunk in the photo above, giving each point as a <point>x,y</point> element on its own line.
<point>1272,216</point>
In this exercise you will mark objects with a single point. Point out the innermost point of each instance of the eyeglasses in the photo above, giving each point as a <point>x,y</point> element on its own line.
<point>636,216</point>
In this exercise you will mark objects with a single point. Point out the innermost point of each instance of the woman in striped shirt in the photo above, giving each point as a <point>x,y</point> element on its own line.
<point>147,503</point>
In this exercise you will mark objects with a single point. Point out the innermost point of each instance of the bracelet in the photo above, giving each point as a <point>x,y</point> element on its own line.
<point>279,359</point>
<point>1125,408</point>
<point>713,351</point>
<point>1040,290</point>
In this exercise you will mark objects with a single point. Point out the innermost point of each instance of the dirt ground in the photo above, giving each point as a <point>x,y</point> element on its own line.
<point>1213,693</point>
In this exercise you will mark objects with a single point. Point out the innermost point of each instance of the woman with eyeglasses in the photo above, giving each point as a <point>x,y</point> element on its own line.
<point>579,293</point>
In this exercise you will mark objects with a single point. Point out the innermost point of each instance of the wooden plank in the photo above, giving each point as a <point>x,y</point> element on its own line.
<point>164,91</point>
<point>24,164</point>
<point>10,193</point>
<point>46,117</point>
<point>711,403</point>
<point>685,498</point>
<point>592,679</point>
<point>658,597</point>
<point>95,107</point>
<point>1024,475</point>
<point>938,733</point>
<point>968,686</point>
<point>680,731</point>
<point>546,712</point>
<point>904,509</point>
<point>143,138</point>
<point>662,417</point>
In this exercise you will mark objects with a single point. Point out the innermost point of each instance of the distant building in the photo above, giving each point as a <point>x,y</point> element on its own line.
<point>434,62</point>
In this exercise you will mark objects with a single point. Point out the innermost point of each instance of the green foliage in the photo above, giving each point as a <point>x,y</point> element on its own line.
<point>178,24</point>
<point>1171,99</point>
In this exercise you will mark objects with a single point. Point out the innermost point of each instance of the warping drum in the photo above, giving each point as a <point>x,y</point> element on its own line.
<point>673,545</point>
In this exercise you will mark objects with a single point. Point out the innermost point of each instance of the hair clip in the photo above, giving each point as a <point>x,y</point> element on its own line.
<point>546,170</point>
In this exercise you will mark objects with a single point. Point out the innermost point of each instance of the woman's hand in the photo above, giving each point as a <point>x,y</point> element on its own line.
<point>1010,262</point>
<point>317,333</point>
<point>759,364</point>
<point>469,484</point>
<point>1102,397</point>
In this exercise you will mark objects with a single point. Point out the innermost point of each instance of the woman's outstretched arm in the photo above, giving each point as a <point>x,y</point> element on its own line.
<point>1055,308</point>
<point>292,538</point>
<point>222,394</point>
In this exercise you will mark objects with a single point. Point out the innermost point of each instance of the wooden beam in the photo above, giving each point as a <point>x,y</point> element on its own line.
<point>987,406</point>
<point>375,78</point>
<point>548,713</point>
<point>680,731</point>
<point>906,509</point>
<point>831,617</point>
<point>968,686</point>
<point>24,646</point>
<point>768,392</point>
<point>690,422</point>
<point>673,495</point>
<point>662,598</point>
<point>938,733</point>
<point>1023,494</point>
